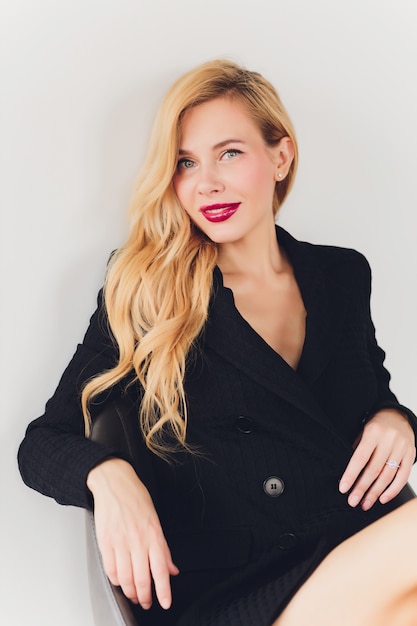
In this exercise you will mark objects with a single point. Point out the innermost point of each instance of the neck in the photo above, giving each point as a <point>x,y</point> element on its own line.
<point>257,255</point>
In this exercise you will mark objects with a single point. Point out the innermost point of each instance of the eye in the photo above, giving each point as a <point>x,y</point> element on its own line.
<point>230,154</point>
<point>185,164</point>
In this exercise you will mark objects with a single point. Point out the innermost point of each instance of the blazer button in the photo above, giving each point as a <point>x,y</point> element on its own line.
<point>287,541</point>
<point>273,486</point>
<point>244,424</point>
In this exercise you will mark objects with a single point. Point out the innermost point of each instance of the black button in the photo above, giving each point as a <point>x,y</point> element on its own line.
<point>287,541</point>
<point>245,424</point>
<point>273,486</point>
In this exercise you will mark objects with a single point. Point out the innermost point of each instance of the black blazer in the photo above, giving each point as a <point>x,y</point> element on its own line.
<point>273,442</point>
<point>255,418</point>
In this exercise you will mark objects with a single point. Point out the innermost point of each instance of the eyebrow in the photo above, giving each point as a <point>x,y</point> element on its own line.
<point>221,144</point>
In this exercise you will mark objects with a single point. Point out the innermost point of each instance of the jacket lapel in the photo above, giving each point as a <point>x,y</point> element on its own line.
<point>324,303</point>
<point>235,340</point>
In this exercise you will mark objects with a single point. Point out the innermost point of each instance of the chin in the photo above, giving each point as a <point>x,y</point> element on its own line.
<point>222,238</point>
<point>220,235</point>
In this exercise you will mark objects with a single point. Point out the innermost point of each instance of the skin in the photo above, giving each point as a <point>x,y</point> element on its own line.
<point>129,534</point>
<point>227,161</point>
<point>224,159</point>
<point>368,580</point>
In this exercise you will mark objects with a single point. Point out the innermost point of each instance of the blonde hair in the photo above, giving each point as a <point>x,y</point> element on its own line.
<point>158,284</point>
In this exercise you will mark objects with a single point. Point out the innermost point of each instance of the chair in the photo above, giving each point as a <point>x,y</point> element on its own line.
<point>110,606</point>
<point>113,427</point>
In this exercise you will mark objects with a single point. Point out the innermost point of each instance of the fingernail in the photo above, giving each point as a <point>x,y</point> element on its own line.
<point>353,500</point>
<point>146,605</point>
<point>165,603</point>
<point>343,487</point>
<point>366,505</point>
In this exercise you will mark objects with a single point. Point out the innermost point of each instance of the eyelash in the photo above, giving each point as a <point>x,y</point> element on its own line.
<point>233,150</point>
<point>181,163</point>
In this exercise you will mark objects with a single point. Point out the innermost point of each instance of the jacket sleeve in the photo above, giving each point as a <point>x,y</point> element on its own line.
<point>55,457</point>
<point>385,397</point>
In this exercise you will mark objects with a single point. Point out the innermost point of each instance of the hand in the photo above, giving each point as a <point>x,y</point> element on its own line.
<point>129,534</point>
<point>387,436</point>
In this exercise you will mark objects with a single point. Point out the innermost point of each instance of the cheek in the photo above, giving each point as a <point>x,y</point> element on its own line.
<point>181,189</point>
<point>259,178</point>
<point>183,194</point>
<point>177,186</point>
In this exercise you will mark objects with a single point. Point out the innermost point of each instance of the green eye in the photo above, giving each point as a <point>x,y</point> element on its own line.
<point>230,154</point>
<point>185,164</point>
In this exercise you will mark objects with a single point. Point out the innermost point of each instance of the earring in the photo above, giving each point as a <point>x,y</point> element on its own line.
<point>279,175</point>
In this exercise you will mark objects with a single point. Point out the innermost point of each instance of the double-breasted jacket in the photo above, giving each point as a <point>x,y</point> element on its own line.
<point>272,442</point>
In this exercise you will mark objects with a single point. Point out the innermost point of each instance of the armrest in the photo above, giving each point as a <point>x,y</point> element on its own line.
<point>112,426</point>
<point>117,426</point>
<point>406,493</point>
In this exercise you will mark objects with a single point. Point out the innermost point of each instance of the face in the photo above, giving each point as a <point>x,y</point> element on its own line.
<point>226,174</point>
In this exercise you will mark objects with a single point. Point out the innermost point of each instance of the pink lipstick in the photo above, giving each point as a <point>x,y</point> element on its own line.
<point>219,212</point>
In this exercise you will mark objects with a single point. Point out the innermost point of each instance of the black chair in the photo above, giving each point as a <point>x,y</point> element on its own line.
<point>115,426</point>
<point>112,427</point>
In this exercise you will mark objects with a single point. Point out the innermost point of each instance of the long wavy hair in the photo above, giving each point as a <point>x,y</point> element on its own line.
<point>158,284</point>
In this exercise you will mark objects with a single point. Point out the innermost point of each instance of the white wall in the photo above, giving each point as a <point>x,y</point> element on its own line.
<point>80,82</point>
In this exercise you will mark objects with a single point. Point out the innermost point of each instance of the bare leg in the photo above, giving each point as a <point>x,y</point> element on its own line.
<point>368,580</point>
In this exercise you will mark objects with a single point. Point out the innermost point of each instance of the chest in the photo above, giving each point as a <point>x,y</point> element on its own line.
<point>275,311</point>
<point>239,374</point>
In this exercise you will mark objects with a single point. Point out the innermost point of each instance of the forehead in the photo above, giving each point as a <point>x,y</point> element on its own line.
<point>215,121</point>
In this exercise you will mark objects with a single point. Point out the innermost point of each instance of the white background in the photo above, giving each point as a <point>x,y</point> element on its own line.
<point>80,82</point>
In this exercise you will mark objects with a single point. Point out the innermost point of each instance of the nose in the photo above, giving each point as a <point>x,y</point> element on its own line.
<point>209,181</point>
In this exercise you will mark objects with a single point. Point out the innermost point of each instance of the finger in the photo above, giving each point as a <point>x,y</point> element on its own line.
<point>109,564</point>
<point>142,578</point>
<point>161,563</point>
<point>173,569</point>
<point>358,461</point>
<point>370,474</point>
<point>125,574</point>
<point>387,478</point>
<point>375,436</point>
<point>400,479</point>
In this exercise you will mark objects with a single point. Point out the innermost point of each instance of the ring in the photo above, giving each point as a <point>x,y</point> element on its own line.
<point>392,464</point>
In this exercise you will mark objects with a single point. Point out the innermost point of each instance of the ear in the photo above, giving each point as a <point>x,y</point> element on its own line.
<point>283,155</point>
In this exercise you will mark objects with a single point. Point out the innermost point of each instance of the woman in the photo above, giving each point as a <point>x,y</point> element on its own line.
<point>268,426</point>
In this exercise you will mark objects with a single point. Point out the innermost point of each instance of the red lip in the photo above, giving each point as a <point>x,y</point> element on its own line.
<point>219,212</point>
